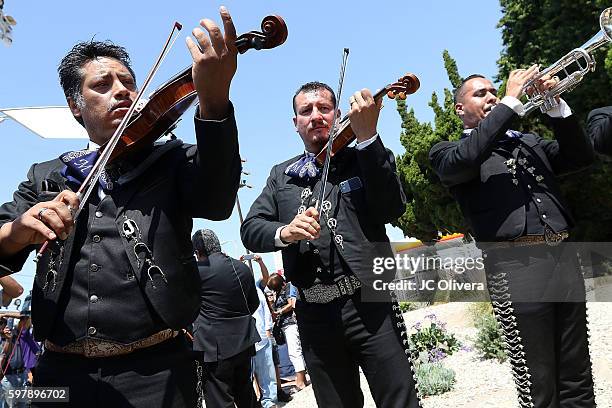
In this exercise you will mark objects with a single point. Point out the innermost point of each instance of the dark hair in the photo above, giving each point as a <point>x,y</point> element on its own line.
<point>205,242</point>
<point>70,68</point>
<point>275,282</point>
<point>313,86</point>
<point>458,94</point>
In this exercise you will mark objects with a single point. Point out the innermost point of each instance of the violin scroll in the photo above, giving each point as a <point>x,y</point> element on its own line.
<point>273,33</point>
<point>406,85</point>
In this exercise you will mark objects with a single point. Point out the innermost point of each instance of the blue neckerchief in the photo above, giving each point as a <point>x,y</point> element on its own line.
<point>78,165</point>
<point>510,134</point>
<point>304,168</point>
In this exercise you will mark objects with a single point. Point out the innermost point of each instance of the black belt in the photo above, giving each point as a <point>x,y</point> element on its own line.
<point>549,238</point>
<point>325,293</point>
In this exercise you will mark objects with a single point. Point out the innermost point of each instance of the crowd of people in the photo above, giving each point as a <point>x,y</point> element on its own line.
<point>131,312</point>
<point>18,349</point>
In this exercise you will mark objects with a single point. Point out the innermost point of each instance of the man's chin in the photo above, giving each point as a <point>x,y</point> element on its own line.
<point>116,121</point>
<point>320,136</point>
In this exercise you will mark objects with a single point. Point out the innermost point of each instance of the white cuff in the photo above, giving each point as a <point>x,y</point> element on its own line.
<point>560,111</point>
<point>277,239</point>
<point>366,143</point>
<point>514,104</point>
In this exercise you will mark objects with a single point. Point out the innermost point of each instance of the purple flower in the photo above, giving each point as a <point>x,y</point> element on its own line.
<point>431,316</point>
<point>417,326</point>
<point>436,354</point>
<point>466,348</point>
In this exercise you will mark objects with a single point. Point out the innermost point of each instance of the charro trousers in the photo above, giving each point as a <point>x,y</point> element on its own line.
<point>539,301</point>
<point>339,337</point>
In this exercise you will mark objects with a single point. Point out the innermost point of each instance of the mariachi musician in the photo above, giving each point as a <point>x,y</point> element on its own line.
<point>505,183</point>
<point>324,254</point>
<point>110,298</point>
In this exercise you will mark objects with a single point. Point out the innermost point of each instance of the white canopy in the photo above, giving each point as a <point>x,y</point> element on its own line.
<point>49,122</point>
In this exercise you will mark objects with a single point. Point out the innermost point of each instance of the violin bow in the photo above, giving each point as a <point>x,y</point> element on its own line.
<point>332,133</point>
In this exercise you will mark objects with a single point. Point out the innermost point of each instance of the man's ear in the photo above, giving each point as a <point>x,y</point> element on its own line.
<point>459,109</point>
<point>295,123</point>
<point>76,111</point>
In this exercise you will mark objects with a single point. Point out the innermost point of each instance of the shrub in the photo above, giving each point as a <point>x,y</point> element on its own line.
<point>407,306</point>
<point>433,339</point>
<point>434,378</point>
<point>489,341</point>
<point>478,309</point>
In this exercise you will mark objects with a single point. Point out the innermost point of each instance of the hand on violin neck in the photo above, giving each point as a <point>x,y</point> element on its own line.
<point>214,65</point>
<point>364,114</point>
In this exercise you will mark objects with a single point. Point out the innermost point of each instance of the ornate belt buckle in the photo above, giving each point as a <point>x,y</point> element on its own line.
<point>87,348</point>
<point>342,286</point>
<point>552,238</point>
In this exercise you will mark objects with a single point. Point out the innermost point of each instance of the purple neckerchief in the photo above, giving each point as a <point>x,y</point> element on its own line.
<point>78,165</point>
<point>510,134</point>
<point>304,168</point>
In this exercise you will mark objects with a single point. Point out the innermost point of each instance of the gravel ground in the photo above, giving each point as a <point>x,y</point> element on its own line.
<point>488,383</point>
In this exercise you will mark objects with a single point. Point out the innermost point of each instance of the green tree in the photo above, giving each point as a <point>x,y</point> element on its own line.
<point>430,207</point>
<point>533,31</point>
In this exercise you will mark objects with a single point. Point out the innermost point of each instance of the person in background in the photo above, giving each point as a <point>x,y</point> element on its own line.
<point>262,283</point>
<point>20,355</point>
<point>263,363</point>
<point>285,318</point>
<point>224,331</point>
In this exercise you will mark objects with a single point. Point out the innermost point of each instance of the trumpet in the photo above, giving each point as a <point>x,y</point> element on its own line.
<point>571,68</point>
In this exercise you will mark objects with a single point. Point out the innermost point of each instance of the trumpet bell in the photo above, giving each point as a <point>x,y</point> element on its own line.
<point>604,35</point>
<point>605,21</point>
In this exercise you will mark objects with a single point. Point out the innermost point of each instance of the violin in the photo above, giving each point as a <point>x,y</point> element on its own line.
<point>161,112</point>
<point>167,104</point>
<point>406,85</point>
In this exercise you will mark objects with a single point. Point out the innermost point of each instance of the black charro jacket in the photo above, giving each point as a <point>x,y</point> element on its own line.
<point>599,129</point>
<point>374,198</point>
<point>175,183</point>
<point>476,171</point>
<point>225,326</point>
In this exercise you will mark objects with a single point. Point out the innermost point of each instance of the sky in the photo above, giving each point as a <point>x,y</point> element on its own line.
<point>386,40</point>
